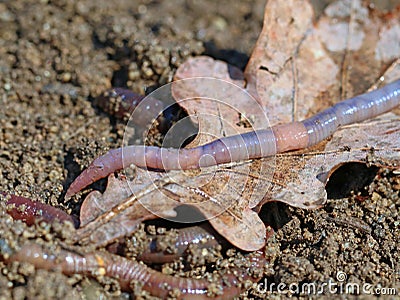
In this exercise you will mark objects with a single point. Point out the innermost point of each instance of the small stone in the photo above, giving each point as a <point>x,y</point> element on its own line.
<point>7,86</point>
<point>53,129</point>
<point>147,72</point>
<point>54,176</point>
<point>220,23</point>
<point>19,292</point>
<point>66,77</point>
<point>376,196</point>
<point>27,168</point>
<point>133,75</point>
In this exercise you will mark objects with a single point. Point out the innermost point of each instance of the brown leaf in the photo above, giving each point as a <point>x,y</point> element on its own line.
<point>285,26</point>
<point>304,75</point>
<point>296,70</point>
<point>342,55</point>
<point>122,207</point>
<point>300,177</point>
<point>222,195</point>
<point>213,96</point>
<point>330,64</point>
<point>218,194</point>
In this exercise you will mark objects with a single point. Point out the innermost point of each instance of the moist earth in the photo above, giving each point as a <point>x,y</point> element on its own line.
<point>56,57</point>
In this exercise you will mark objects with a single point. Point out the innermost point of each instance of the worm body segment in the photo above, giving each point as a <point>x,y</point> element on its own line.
<point>127,271</point>
<point>250,145</point>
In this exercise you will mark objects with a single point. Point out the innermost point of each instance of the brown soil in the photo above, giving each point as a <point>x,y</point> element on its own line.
<point>57,56</point>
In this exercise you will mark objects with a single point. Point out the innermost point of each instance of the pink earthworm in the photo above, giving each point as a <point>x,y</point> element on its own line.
<point>121,102</point>
<point>21,208</point>
<point>101,263</point>
<point>126,271</point>
<point>250,145</point>
<point>193,235</point>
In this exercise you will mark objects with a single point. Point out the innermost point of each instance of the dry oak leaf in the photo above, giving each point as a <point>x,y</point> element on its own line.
<point>290,80</point>
<point>294,90</point>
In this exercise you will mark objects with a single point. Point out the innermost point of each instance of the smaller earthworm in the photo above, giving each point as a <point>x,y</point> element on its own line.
<point>125,271</point>
<point>250,145</point>
<point>21,208</point>
<point>193,235</point>
<point>351,222</point>
<point>121,103</point>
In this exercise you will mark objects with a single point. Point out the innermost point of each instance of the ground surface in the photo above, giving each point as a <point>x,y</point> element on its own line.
<point>57,56</point>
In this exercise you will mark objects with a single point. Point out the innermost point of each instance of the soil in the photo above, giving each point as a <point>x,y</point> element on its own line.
<point>56,57</point>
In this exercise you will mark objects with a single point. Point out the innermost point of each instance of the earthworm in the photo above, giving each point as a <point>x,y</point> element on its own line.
<point>125,271</point>
<point>193,235</point>
<point>21,208</point>
<point>250,145</point>
<point>120,103</point>
<point>351,222</point>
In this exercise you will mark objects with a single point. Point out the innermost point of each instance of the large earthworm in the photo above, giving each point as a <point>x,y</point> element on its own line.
<point>126,271</point>
<point>250,145</point>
